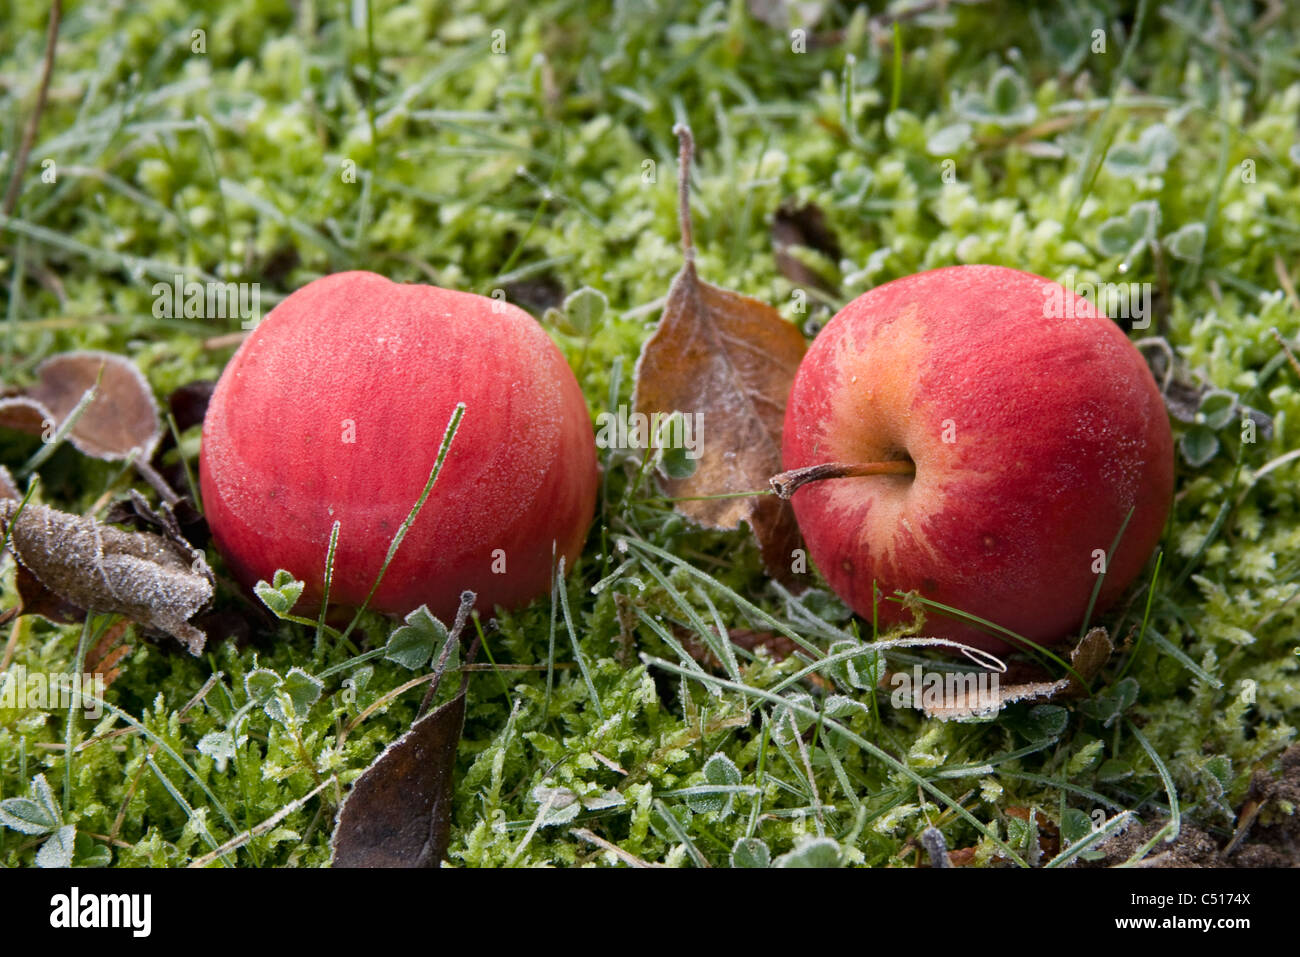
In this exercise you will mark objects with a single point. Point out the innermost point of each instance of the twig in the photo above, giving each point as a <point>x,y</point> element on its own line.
<point>686,152</point>
<point>467,599</point>
<point>627,857</point>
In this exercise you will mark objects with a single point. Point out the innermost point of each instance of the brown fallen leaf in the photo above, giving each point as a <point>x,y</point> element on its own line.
<point>398,813</point>
<point>91,566</point>
<point>22,414</point>
<point>189,403</point>
<point>181,524</point>
<point>1087,659</point>
<point>961,856</point>
<point>8,487</point>
<point>806,226</point>
<point>123,417</point>
<point>36,599</point>
<point>120,421</point>
<point>731,359</point>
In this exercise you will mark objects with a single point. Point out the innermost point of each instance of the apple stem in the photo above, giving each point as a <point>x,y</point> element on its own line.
<point>787,483</point>
<point>686,152</point>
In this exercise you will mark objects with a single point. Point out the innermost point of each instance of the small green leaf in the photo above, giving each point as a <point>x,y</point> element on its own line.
<point>677,463</point>
<point>26,816</point>
<point>814,852</point>
<point>91,853</point>
<point>721,772</point>
<point>750,852</point>
<point>219,746</point>
<point>562,805</point>
<point>413,644</point>
<point>1149,155</point>
<point>1006,91</point>
<point>1113,236</point>
<point>842,706</point>
<point>1113,769</point>
<point>281,595</point>
<point>1075,825</point>
<point>37,814</point>
<point>674,458</point>
<point>303,690</point>
<point>949,140</point>
<point>261,685</point>
<point>1220,768</point>
<point>1219,408</point>
<point>58,850</point>
<point>1187,243</point>
<point>1042,722</point>
<point>786,721</point>
<point>1084,758</point>
<point>720,769</point>
<point>862,671</point>
<point>584,309</point>
<point>1108,705</point>
<point>1198,445</point>
<point>1126,160</point>
<point>1144,220</point>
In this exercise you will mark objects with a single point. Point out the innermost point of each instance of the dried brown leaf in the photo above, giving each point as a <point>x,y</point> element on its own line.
<point>24,414</point>
<point>794,226</point>
<point>8,487</point>
<point>38,600</point>
<point>1087,659</point>
<point>92,566</point>
<point>398,813</point>
<point>123,416</point>
<point>731,359</point>
<point>189,403</point>
<point>961,856</point>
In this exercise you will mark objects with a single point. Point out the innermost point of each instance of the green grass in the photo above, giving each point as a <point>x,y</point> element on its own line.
<point>548,167</point>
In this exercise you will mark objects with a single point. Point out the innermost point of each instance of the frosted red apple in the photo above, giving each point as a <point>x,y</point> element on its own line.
<point>1030,438</point>
<point>334,409</point>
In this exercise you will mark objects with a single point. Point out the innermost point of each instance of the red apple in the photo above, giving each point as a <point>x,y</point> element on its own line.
<point>1009,448</point>
<point>334,409</point>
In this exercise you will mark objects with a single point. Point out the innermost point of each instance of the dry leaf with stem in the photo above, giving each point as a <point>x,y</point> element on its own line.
<point>732,360</point>
<point>1087,659</point>
<point>69,564</point>
<point>398,813</point>
<point>122,418</point>
<point>104,404</point>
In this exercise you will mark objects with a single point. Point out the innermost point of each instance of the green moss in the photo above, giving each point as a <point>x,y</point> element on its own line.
<point>553,162</point>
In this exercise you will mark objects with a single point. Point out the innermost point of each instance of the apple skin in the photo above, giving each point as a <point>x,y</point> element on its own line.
<point>1058,428</point>
<point>356,356</point>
